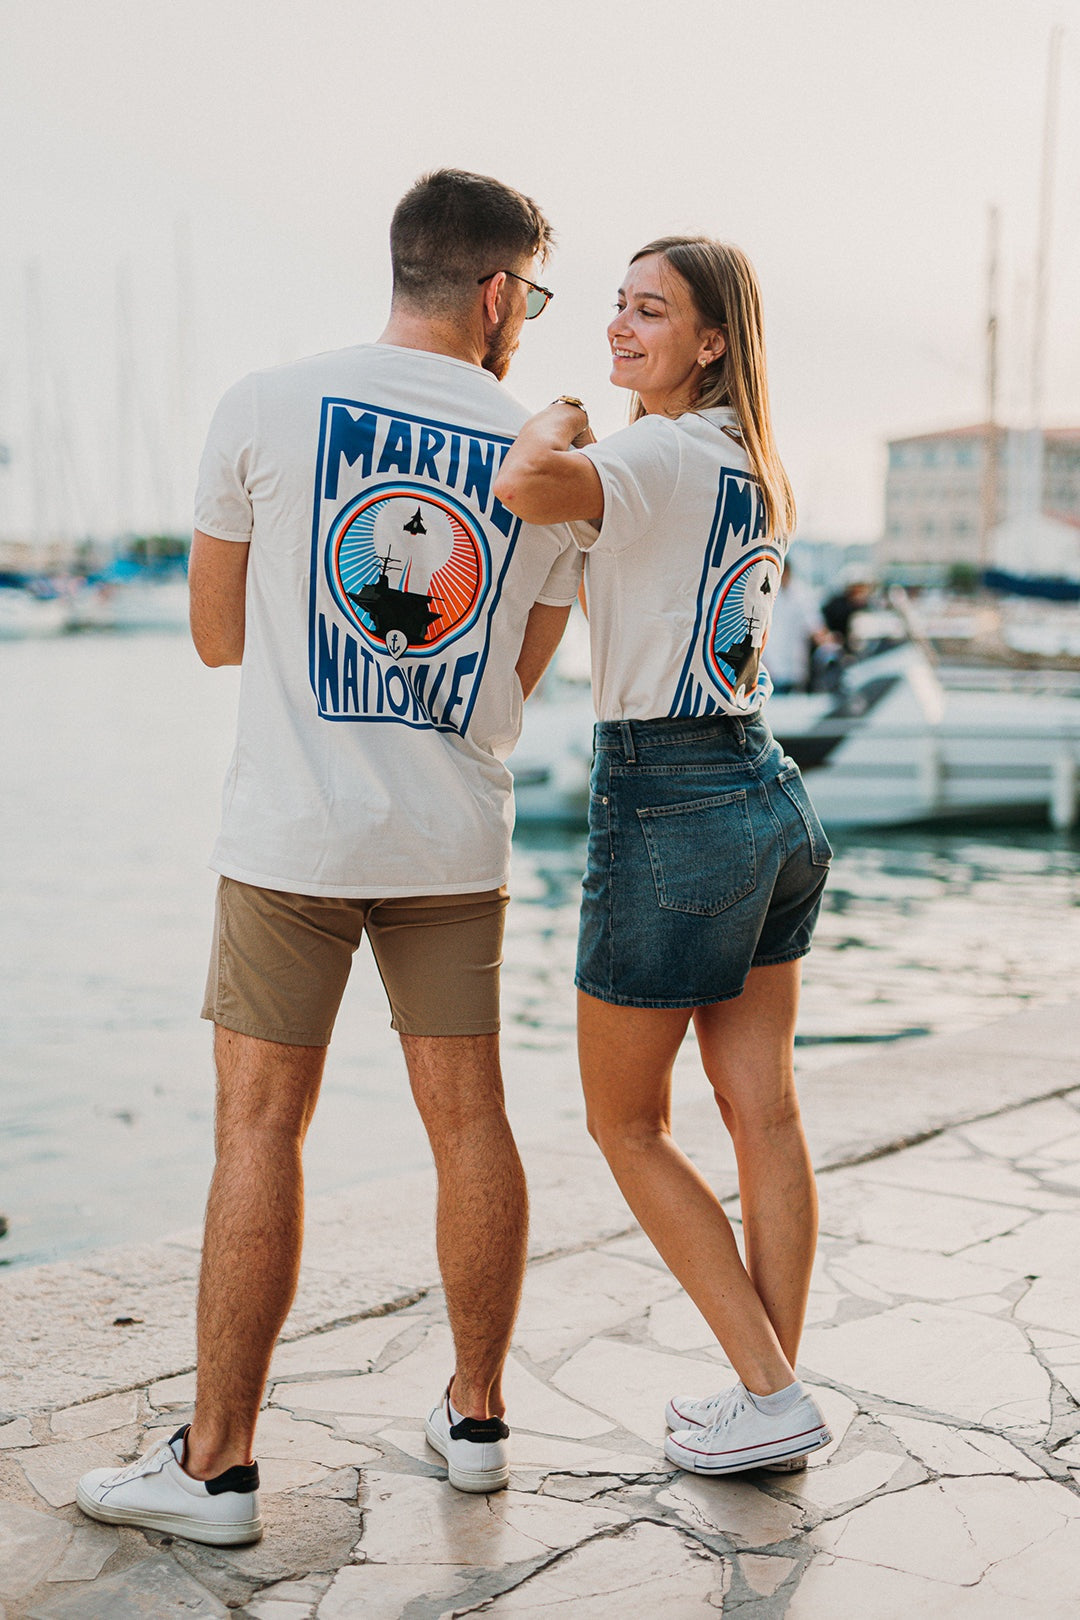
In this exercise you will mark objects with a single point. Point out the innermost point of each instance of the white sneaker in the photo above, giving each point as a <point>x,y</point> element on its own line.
<point>156,1494</point>
<point>476,1451</point>
<point>741,1436</point>
<point>698,1412</point>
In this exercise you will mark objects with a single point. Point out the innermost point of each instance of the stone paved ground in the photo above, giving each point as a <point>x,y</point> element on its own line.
<point>943,1341</point>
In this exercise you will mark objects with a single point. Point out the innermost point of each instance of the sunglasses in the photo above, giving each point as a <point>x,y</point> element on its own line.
<point>537,298</point>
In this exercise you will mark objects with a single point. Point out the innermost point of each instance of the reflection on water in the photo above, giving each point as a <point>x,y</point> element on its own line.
<point>114,753</point>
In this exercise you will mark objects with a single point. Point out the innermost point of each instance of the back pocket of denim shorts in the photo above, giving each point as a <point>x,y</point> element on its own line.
<point>702,853</point>
<point>792,783</point>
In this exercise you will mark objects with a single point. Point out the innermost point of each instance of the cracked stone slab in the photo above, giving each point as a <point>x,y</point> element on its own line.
<point>538,1452</point>
<point>633,1384</point>
<point>96,1417</point>
<point>903,1218</point>
<point>677,1324</point>
<point>421,1521</point>
<point>86,1554</point>
<point>386,1591</point>
<point>763,1573</point>
<point>303,1534</point>
<point>969,1177</point>
<point>155,1589</point>
<point>843,1482</point>
<point>976,1368</point>
<point>1051,1302</point>
<point>1043,1247</point>
<point>843,1589</point>
<point>411,1386</point>
<point>30,1544</point>
<point>648,1569</point>
<point>921,1275</point>
<point>969,1451</point>
<point>952,1530</point>
<point>569,1300</point>
<point>733,1507</point>
<point>16,1433</point>
<point>54,1471</point>
<point>1022,1131</point>
<point>351,1349</point>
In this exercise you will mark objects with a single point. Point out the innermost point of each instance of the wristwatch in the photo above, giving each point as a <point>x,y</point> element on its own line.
<point>571,399</point>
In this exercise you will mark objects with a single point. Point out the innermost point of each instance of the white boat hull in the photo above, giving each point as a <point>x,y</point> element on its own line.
<point>896,748</point>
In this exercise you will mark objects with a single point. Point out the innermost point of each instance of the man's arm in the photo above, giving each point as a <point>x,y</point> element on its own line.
<point>217,580</point>
<point>543,632</point>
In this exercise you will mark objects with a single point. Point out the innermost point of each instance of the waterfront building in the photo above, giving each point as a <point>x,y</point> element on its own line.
<point>942,504</point>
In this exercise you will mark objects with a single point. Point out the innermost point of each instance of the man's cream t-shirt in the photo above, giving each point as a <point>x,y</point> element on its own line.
<point>387,597</point>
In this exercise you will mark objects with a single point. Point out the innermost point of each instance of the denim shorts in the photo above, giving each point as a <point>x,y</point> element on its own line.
<point>706,859</point>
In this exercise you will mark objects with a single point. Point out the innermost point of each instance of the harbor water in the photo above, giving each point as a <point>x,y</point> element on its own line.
<point>114,748</point>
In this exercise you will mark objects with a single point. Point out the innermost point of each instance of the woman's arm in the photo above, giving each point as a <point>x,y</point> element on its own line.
<point>543,478</point>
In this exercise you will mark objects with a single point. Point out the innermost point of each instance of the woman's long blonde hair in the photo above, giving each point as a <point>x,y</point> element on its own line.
<point>726,294</point>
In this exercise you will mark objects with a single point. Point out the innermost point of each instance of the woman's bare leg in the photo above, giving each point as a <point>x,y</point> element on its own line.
<point>747,1047</point>
<point>626,1059</point>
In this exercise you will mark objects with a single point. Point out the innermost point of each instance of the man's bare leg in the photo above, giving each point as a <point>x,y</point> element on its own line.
<point>254,1231</point>
<point>482,1215</point>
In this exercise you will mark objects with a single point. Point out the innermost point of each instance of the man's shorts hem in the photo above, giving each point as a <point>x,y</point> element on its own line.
<point>291,1037</point>
<point>281,1037</point>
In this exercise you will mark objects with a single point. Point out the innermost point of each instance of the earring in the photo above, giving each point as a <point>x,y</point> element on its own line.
<point>703,364</point>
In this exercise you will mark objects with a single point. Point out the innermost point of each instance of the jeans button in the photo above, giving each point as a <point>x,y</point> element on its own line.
<point>604,799</point>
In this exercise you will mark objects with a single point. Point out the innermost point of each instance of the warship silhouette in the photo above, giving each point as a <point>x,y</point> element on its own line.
<point>744,657</point>
<point>388,607</point>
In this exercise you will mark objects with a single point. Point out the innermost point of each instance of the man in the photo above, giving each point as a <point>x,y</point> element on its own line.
<point>389,615</point>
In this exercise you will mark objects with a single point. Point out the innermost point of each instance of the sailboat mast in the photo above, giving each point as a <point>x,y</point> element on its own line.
<point>990,451</point>
<point>1042,255</point>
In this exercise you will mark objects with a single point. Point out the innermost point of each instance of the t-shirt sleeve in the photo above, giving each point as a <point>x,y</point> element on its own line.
<point>639,471</point>
<point>222,501</point>
<point>561,587</point>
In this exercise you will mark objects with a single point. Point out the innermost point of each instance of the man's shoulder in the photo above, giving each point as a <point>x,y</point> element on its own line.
<point>416,382</point>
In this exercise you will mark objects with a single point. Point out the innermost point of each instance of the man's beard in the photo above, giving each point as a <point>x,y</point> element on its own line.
<point>500,352</point>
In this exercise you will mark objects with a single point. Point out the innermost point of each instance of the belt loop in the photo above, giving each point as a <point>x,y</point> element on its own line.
<point>740,732</point>
<point>628,742</point>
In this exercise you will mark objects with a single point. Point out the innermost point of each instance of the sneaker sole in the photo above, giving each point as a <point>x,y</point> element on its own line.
<point>781,1460</point>
<point>175,1524</point>
<point>480,1481</point>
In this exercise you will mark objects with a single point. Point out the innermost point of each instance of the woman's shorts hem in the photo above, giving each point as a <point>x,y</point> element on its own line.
<point>778,961</point>
<point>680,1004</point>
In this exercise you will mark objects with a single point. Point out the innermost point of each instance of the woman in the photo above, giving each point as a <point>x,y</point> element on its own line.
<point>706,860</point>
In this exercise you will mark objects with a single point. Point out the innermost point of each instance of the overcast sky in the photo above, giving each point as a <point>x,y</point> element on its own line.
<point>234,166</point>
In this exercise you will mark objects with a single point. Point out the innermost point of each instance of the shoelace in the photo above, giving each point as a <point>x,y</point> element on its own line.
<point>142,1465</point>
<point>733,1405</point>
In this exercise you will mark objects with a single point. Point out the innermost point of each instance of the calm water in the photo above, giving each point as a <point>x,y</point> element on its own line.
<point>113,752</point>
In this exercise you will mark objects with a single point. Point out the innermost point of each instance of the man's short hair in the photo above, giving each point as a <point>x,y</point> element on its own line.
<point>451,228</point>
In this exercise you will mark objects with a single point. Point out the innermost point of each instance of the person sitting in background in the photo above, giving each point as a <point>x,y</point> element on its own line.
<point>839,611</point>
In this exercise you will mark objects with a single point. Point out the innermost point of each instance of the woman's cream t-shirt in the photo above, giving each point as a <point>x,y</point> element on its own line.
<point>681,579</point>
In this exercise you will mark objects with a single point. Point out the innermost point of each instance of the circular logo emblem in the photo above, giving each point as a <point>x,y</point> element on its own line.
<point>408,567</point>
<point>738,622</point>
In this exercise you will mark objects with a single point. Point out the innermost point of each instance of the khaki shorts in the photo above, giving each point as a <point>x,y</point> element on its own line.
<point>280,961</point>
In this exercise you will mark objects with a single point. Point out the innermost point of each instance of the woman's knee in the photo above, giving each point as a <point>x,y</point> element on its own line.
<point>621,1136</point>
<point>751,1113</point>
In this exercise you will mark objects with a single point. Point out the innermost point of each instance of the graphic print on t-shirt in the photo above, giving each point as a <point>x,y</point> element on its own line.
<point>409,553</point>
<point>739,580</point>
